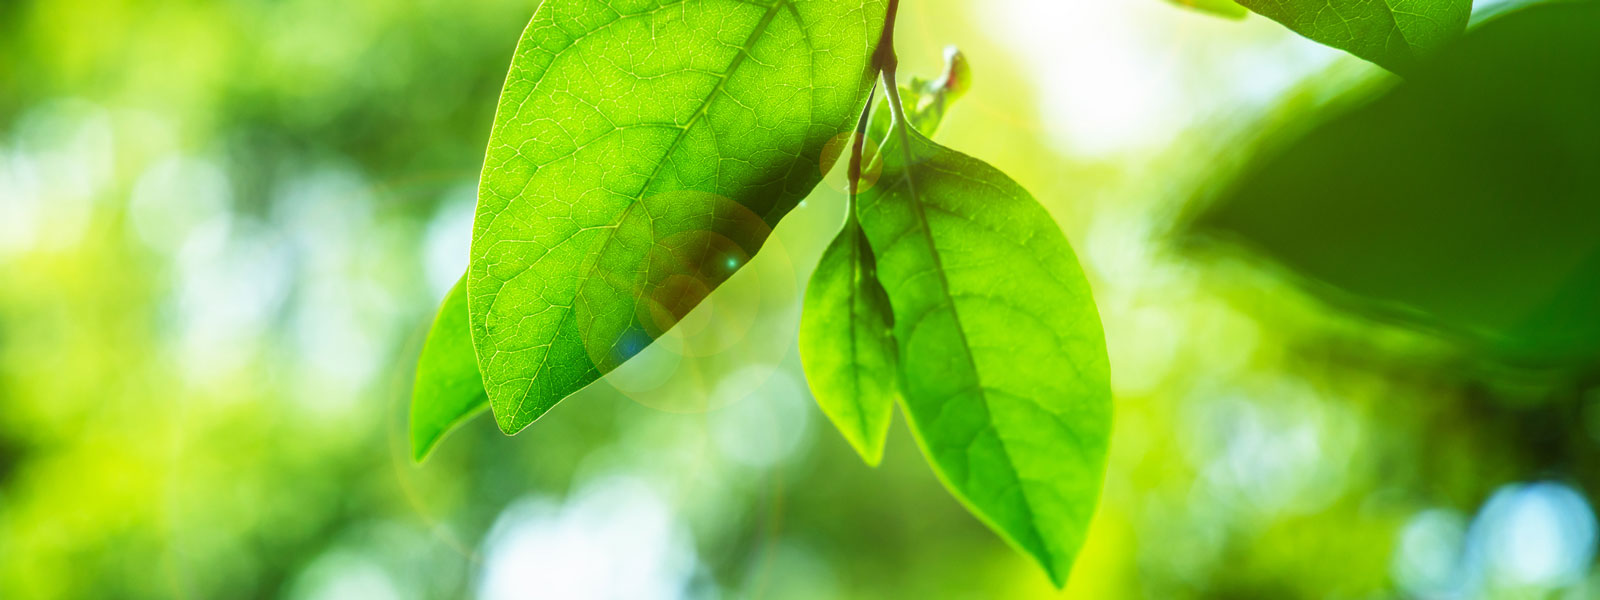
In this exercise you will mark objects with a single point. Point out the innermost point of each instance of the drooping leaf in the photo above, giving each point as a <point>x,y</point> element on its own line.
<point>448,390</point>
<point>1003,368</point>
<point>1395,34</point>
<point>847,346</point>
<point>1465,200</point>
<point>641,152</point>
<point>1222,8</point>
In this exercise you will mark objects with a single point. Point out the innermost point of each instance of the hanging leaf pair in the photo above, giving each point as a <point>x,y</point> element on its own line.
<point>642,151</point>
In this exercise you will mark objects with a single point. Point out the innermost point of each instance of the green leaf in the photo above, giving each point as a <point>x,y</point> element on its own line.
<point>1463,200</point>
<point>448,390</point>
<point>1395,34</point>
<point>641,153</point>
<point>1003,368</point>
<point>1222,8</point>
<point>846,344</point>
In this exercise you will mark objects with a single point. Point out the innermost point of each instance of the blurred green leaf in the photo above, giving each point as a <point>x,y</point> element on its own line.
<point>637,160</point>
<point>1465,199</point>
<point>1003,368</point>
<point>1222,8</point>
<point>1395,34</point>
<point>449,389</point>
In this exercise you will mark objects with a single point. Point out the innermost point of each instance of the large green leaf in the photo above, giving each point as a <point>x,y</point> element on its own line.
<point>846,344</point>
<point>1003,368</point>
<point>641,151</point>
<point>1393,33</point>
<point>448,390</point>
<point>1466,199</point>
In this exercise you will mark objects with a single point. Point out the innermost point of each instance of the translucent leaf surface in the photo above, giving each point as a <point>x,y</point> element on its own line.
<point>641,152</point>
<point>1003,368</point>
<point>1396,34</point>
<point>448,390</point>
<point>846,343</point>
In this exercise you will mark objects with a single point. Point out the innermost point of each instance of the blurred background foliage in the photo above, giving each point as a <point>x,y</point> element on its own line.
<point>225,225</point>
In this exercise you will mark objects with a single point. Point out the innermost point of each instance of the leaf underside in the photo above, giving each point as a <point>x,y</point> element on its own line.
<point>1463,200</point>
<point>1003,368</point>
<point>641,153</point>
<point>1395,34</point>
<point>448,389</point>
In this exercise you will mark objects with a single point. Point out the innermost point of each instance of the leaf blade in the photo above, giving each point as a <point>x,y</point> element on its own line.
<point>847,346</point>
<point>448,389</point>
<point>979,277</point>
<point>1395,34</point>
<point>715,111</point>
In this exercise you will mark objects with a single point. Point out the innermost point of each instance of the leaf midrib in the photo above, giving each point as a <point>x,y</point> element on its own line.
<point>902,130</point>
<point>588,273</point>
<point>856,275</point>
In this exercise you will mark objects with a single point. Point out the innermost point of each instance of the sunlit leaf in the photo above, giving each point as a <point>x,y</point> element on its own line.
<point>1465,199</point>
<point>846,344</point>
<point>1392,33</point>
<point>1003,368</point>
<point>448,390</point>
<point>641,152</point>
<point>1222,8</point>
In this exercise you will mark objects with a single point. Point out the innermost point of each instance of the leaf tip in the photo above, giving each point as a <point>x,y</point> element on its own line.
<point>420,450</point>
<point>423,441</point>
<point>1058,577</point>
<point>1057,568</point>
<point>872,456</point>
<point>509,424</point>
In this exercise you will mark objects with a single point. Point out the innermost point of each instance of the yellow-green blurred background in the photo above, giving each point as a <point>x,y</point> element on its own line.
<point>225,225</point>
